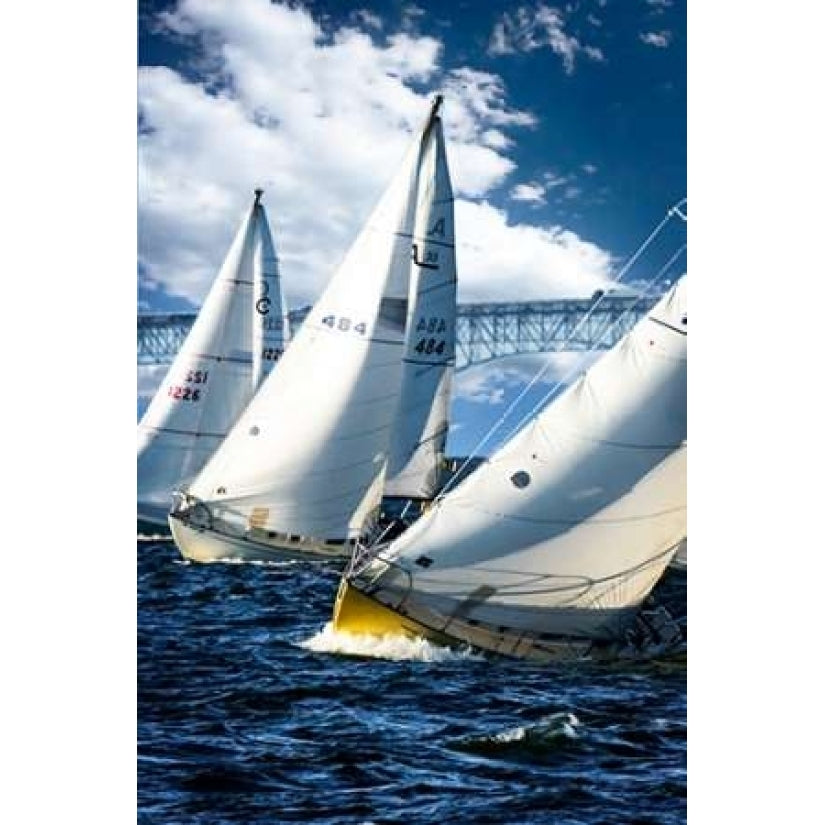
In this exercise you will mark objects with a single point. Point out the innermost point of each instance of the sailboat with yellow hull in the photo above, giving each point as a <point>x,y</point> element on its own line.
<point>551,549</point>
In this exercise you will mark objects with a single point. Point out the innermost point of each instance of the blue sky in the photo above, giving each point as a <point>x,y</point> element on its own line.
<point>566,129</point>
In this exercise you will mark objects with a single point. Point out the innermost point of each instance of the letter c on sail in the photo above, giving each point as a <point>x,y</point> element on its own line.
<point>262,305</point>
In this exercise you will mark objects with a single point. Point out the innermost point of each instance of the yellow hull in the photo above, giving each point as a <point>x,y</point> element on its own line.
<point>356,613</point>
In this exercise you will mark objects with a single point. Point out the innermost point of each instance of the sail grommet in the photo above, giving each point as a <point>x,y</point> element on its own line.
<point>520,479</point>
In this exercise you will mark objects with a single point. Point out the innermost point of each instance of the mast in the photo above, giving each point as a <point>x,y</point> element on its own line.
<point>434,109</point>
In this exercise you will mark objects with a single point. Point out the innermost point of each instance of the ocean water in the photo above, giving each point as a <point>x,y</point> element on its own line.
<point>252,710</point>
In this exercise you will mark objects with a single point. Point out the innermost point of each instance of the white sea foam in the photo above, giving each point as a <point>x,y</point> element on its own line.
<point>554,726</point>
<point>395,648</point>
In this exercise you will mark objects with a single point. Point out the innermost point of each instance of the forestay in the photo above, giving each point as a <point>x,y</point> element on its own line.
<point>307,456</point>
<point>211,378</point>
<point>574,520</point>
<point>417,447</point>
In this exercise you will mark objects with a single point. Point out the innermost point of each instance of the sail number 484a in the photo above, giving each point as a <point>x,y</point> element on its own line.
<point>430,346</point>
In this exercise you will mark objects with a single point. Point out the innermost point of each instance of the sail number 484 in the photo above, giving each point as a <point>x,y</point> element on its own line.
<point>344,324</point>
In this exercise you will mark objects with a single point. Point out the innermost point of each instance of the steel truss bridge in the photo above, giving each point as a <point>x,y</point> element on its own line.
<point>483,331</point>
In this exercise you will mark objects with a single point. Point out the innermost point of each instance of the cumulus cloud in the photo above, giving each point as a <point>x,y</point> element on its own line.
<point>659,40</point>
<point>493,383</point>
<point>529,192</point>
<point>320,119</point>
<point>526,30</point>
<point>499,260</point>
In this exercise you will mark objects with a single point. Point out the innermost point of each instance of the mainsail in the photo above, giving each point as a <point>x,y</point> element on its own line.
<point>306,459</point>
<point>420,432</point>
<point>211,378</point>
<point>566,529</point>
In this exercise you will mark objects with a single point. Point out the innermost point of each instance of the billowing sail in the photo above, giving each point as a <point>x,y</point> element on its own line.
<point>270,330</point>
<point>567,528</point>
<point>417,447</point>
<point>210,380</point>
<point>307,456</point>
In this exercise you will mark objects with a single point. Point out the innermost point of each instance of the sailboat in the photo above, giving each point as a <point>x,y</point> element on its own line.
<point>302,472</point>
<point>238,336</point>
<point>550,549</point>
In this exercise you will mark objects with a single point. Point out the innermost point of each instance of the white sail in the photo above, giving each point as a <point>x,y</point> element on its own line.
<point>417,447</point>
<point>209,382</point>
<point>307,456</point>
<point>568,527</point>
<point>270,330</point>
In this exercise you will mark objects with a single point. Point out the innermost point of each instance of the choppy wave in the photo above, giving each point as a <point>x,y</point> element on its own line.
<point>240,721</point>
<point>547,732</point>
<point>394,648</point>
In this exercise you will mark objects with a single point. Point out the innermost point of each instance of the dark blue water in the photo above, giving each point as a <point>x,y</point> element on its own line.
<point>240,722</point>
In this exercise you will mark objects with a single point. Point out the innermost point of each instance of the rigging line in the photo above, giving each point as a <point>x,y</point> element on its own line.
<point>622,272</point>
<point>571,372</point>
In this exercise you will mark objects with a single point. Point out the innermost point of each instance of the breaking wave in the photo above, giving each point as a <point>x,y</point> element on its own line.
<point>548,732</point>
<point>394,648</point>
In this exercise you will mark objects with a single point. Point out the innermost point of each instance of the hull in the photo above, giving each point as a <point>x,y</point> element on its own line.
<point>356,610</point>
<point>201,544</point>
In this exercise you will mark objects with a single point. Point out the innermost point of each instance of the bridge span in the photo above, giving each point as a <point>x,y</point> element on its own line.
<point>483,331</point>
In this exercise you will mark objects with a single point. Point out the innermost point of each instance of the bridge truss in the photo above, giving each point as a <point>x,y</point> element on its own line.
<point>483,331</point>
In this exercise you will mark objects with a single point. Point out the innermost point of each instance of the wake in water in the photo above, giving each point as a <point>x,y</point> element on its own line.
<point>394,648</point>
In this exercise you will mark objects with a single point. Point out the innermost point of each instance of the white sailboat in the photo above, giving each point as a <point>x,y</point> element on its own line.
<point>417,447</point>
<point>302,471</point>
<point>237,337</point>
<point>550,548</point>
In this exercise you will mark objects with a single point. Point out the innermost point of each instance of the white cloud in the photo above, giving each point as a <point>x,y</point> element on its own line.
<point>494,382</point>
<point>526,30</point>
<point>498,260</point>
<point>589,168</point>
<point>495,139</point>
<point>149,377</point>
<point>530,192</point>
<point>659,40</point>
<point>368,18</point>
<point>552,180</point>
<point>320,120</point>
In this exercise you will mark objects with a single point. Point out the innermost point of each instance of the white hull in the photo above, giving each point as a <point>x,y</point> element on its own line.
<point>204,545</point>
